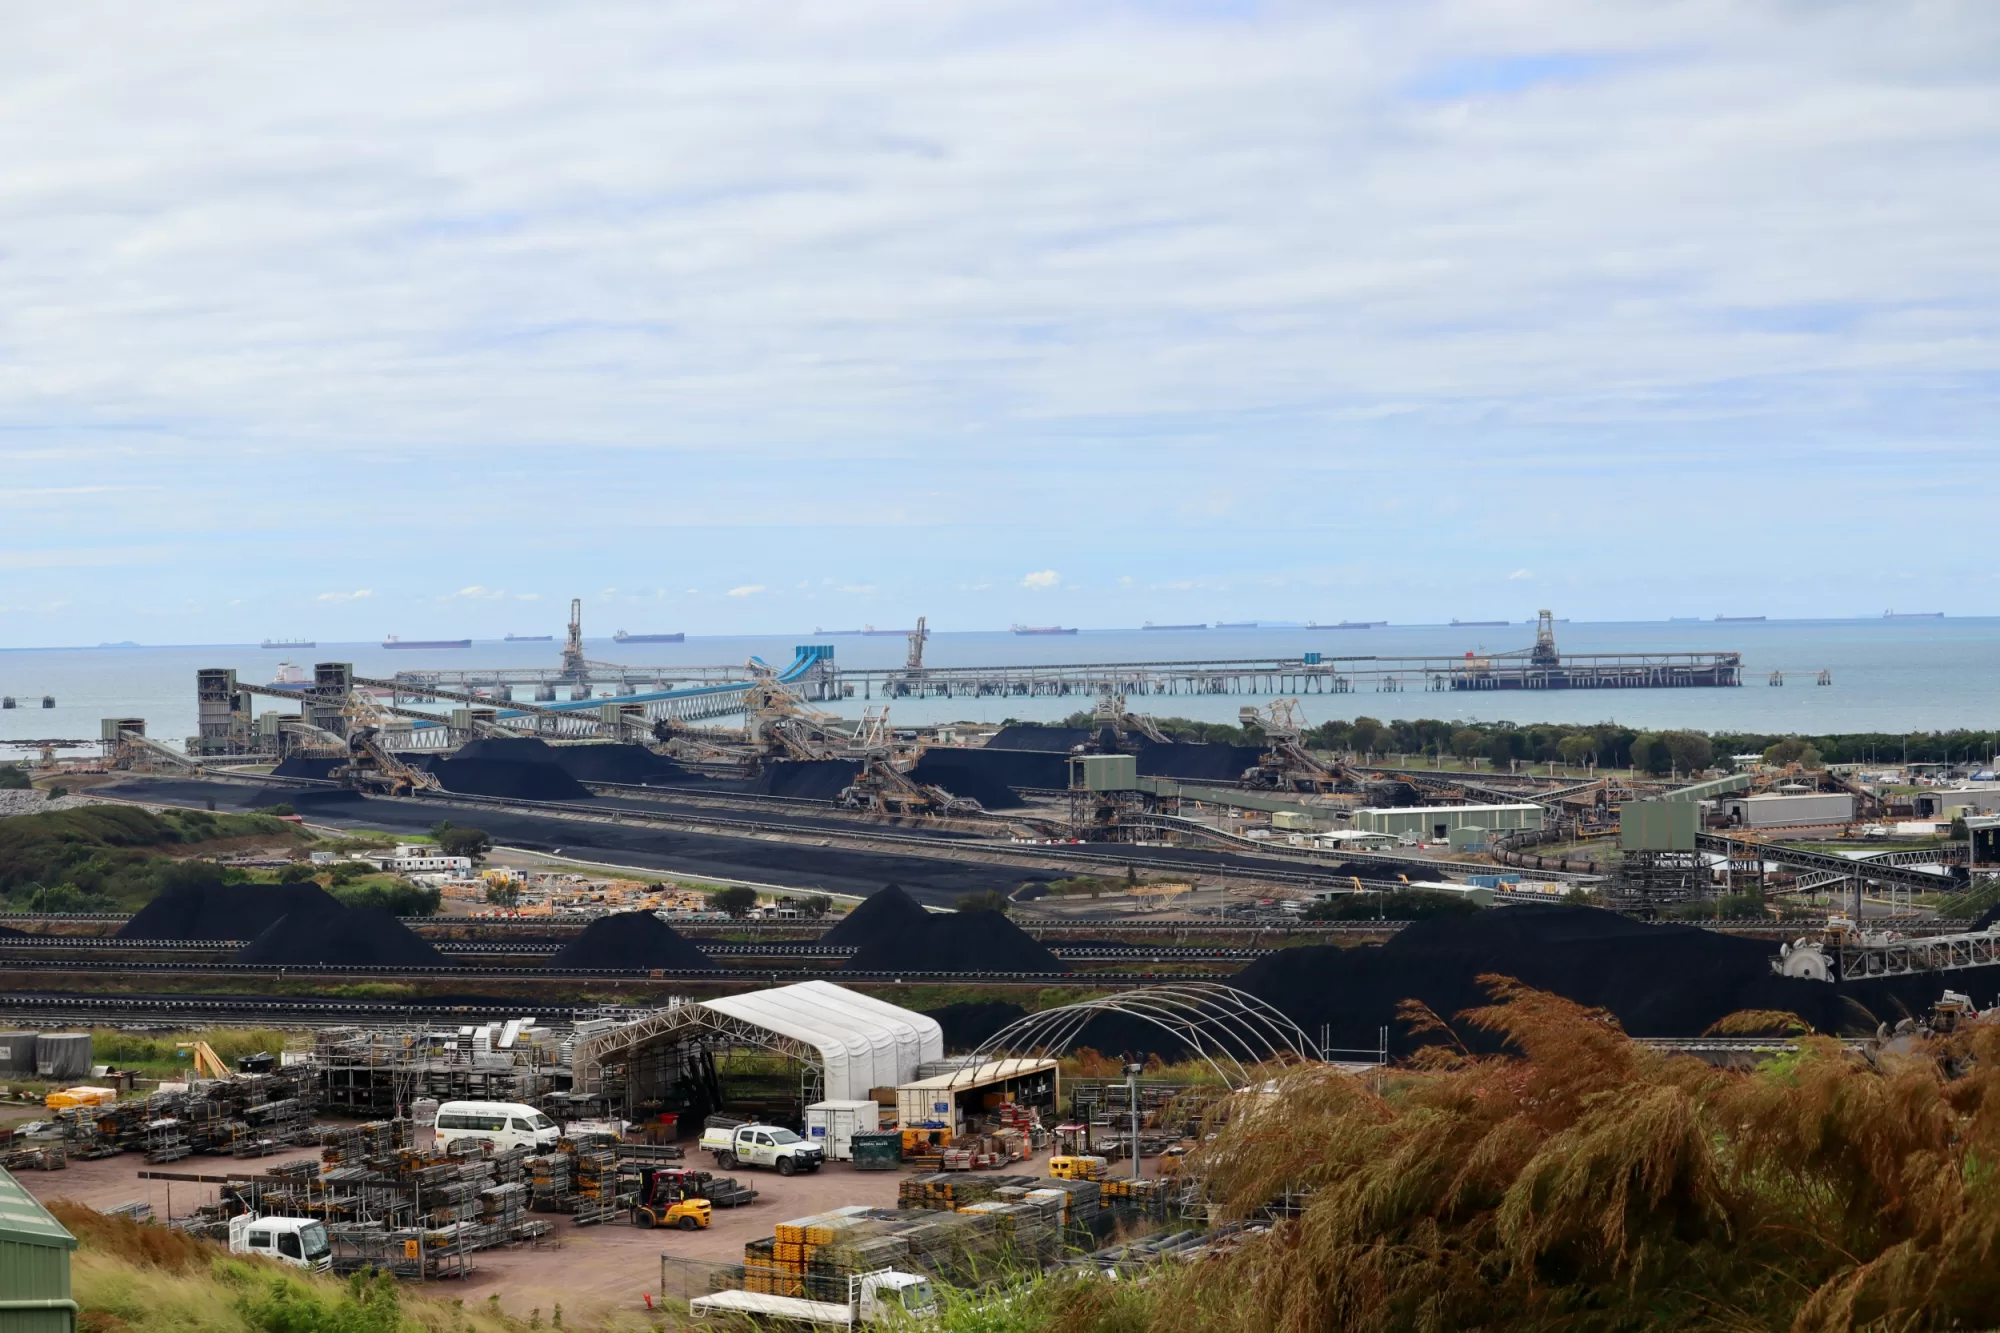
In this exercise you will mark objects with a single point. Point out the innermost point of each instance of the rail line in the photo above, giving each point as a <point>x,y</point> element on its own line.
<point>714,948</point>
<point>477,975</point>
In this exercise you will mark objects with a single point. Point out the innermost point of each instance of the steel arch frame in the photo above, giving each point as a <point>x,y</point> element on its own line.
<point>1229,1029</point>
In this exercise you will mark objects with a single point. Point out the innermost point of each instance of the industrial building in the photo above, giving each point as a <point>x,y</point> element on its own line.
<point>1775,810</point>
<point>1436,823</point>
<point>950,1098</point>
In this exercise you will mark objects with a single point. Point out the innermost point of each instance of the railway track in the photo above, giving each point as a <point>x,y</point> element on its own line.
<point>491,975</point>
<point>714,948</point>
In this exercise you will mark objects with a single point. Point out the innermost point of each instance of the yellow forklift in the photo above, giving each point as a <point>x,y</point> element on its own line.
<point>671,1197</point>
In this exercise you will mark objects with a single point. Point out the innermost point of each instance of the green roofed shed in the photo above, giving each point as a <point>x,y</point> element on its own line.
<point>34,1265</point>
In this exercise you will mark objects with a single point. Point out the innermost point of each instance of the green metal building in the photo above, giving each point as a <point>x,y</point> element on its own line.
<point>1436,823</point>
<point>34,1265</point>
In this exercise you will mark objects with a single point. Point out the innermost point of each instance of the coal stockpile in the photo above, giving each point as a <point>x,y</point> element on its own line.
<point>890,913</point>
<point>340,936</point>
<point>807,779</point>
<point>1023,736</point>
<point>631,765</point>
<point>1017,770</point>
<point>304,800</point>
<point>319,767</point>
<point>969,1023</point>
<point>957,942</point>
<point>966,783</point>
<point>1197,763</point>
<point>510,778</point>
<point>217,911</point>
<point>1659,980</point>
<point>630,941</point>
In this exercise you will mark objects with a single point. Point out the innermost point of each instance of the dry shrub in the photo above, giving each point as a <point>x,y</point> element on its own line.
<point>151,1245</point>
<point>1584,1181</point>
<point>1759,1023</point>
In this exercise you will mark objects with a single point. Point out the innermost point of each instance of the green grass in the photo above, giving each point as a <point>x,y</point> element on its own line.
<point>114,857</point>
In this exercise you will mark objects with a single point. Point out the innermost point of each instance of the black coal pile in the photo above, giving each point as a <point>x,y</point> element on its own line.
<point>970,1022</point>
<point>510,778</point>
<point>807,779</point>
<point>1026,736</point>
<point>966,782</point>
<point>1197,763</point>
<point>1017,770</point>
<point>890,913</point>
<point>342,936</point>
<point>515,749</point>
<point>217,911</point>
<point>305,800</point>
<point>1660,980</point>
<point>631,941</point>
<point>317,766</point>
<point>631,765</point>
<point>957,942</point>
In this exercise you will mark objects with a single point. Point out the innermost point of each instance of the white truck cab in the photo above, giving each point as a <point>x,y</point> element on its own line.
<point>882,1297</point>
<point>298,1241</point>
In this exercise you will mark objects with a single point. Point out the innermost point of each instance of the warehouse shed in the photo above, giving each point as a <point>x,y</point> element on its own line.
<point>1774,810</point>
<point>34,1265</point>
<point>845,1044</point>
<point>1436,823</point>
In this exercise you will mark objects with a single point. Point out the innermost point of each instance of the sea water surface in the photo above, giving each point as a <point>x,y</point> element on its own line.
<point>1888,675</point>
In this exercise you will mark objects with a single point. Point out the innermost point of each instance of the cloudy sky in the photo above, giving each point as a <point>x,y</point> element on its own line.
<point>350,319</point>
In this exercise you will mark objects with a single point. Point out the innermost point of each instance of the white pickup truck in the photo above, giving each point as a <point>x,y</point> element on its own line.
<point>735,1143</point>
<point>881,1297</point>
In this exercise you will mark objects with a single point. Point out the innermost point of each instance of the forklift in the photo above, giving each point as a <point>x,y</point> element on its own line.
<point>671,1196</point>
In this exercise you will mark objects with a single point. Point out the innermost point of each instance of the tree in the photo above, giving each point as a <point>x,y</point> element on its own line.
<point>1688,751</point>
<point>467,842</point>
<point>57,791</point>
<point>1577,749</point>
<point>816,905</point>
<point>345,872</point>
<point>738,900</point>
<point>503,894</point>
<point>1465,742</point>
<point>1792,750</point>
<point>13,778</point>
<point>1650,754</point>
<point>298,872</point>
<point>990,901</point>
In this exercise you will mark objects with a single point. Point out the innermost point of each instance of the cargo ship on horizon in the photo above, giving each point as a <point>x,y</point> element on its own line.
<point>529,638</point>
<point>622,637</point>
<point>1913,615</point>
<point>1740,620</point>
<point>1040,629</point>
<point>1351,624</point>
<point>281,644</point>
<point>393,642</point>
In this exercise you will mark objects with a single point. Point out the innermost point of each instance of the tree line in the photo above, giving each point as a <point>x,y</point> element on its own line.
<point>1602,745</point>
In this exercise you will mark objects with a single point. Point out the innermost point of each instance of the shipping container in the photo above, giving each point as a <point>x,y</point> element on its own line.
<point>1774,811</point>
<point>833,1125</point>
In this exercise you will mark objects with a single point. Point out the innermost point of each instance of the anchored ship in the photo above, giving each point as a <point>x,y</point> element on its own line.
<point>393,642</point>
<point>622,637</point>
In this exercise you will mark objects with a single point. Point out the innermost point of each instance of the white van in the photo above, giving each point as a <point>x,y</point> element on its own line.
<point>502,1124</point>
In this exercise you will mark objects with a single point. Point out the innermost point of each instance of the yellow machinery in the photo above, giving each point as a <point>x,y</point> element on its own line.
<point>1077,1168</point>
<point>207,1064</point>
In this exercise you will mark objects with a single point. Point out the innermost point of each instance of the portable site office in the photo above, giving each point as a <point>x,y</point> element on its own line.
<point>946,1100</point>
<point>34,1265</point>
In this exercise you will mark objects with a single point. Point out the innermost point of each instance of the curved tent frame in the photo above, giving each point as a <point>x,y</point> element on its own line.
<point>1231,1030</point>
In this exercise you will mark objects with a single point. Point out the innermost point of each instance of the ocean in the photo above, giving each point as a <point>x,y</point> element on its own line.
<point>1888,675</point>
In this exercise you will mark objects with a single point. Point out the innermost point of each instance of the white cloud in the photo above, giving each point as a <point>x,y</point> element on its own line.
<point>1520,575</point>
<point>477,593</point>
<point>747,590</point>
<point>354,596</point>
<point>1041,579</point>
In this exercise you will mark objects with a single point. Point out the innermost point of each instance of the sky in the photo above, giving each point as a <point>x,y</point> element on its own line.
<point>350,319</point>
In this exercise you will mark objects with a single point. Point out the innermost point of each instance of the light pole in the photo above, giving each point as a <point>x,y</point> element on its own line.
<point>1132,1071</point>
